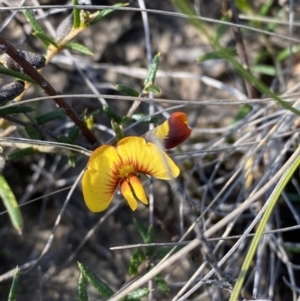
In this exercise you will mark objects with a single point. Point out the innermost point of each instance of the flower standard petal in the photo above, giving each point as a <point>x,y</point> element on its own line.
<point>147,158</point>
<point>100,179</point>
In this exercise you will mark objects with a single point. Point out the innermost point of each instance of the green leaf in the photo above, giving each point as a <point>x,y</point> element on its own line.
<point>45,38</point>
<point>13,293</point>
<point>112,114</point>
<point>15,110</point>
<point>76,13</point>
<point>244,6</point>
<point>105,12</point>
<point>82,290</point>
<point>161,253</point>
<point>32,132</point>
<point>16,74</point>
<point>11,205</point>
<point>137,257</point>
<point>286,53</point>
<point>64,139</point>
<point>73,133</point>
<point>264,69</point>
<point>79,48</point>
<point>221,28</point>
<point>243,111</point>
<point>137,294</point>
<point>96,282</point>
<point>72,160</point>
<point>33,21</point>
<point>153,88</point>
<point>53,115</point>
<point>162,284</point>
<point>126,90</point>
<point>35,25</point>
<point>142,230</point>
<point>117,129</point>
<point>150,239</point>
<point>215,55</point>
<point>19,153</point>
<point>151,75</point>
<point>137,117</point>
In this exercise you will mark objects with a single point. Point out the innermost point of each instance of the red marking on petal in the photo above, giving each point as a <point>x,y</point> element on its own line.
<point>178,130</point>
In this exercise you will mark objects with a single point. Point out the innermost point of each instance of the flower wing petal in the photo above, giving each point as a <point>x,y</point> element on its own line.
<point>147,158</point>
<point>100,179</point>
<point>172,132</point>
<point>178,130</point>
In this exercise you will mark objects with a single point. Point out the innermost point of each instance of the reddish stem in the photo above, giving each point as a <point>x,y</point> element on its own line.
<point>45,85</point>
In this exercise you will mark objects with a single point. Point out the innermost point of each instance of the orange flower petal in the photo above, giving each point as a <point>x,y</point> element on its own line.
<point>100,180</point>
<point>146,158</point>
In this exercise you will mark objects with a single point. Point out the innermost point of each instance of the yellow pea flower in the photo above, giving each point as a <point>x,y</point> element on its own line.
<point>113,166</point>
<point>172,132</point>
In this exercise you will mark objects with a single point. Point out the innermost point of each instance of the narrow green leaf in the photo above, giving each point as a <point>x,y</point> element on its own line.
<point>13,293</point>
<point>137,117</point>
<point>33,21</point>
<point>72,160</point>
<point>153,88</point>
<point>161,253</point>
<point>112,114</point>
<point>150,77</point>
<point>96,282</point>
<point>162,284</point>
<point>137,294</point>
<point>11,205</point>
<point>16,74</point>
<point>76,13</point>
<point>105,12</point>
<point>126,90</point>
<point>137,257</point>
<point>264,69</point>
<point>265,8</point>
<point>142,230</point>
<point>221,28</point>
<point>19,153</point>
<point>286,53</point>
<point>53,115</point>
<point>82,290</point>
<point>150,239</point>
<point>73,133</point>
<point>35,25</point>
<point>32,132</point>
<point>215,55</point>
<point>79,48</point>
<point>15,110</point>
<point>244,6</point>
<point>45,38</point>
<point>64,139</point>
<point>243,111</point>
<point>117,129</point>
